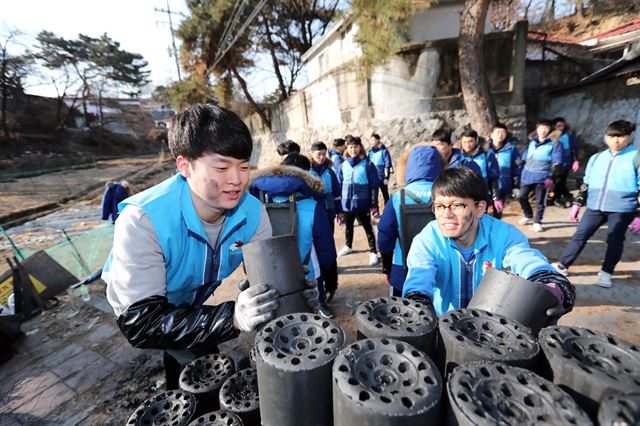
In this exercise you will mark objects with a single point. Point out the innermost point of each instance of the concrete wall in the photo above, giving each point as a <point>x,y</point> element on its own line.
<point>440,21</point>
<point>590,108</point>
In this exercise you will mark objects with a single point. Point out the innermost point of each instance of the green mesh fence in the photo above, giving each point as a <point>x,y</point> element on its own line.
<point>84,254</point>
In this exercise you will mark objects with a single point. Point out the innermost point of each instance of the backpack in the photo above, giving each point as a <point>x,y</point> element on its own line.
<point>413,219</point>
<point>283,218</point>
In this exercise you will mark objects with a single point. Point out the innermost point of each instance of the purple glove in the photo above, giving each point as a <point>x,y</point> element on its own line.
<point>573,215</point>
<point>340,218</point>
<point>498,204</point>
<point>555,289</point>
<point>575,166</point>
<point>548,183</point>
<point>557,310</point>
<point>374,212</point>
<point>635,226</point>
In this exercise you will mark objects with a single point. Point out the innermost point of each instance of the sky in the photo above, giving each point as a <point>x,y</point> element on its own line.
<point>133,23</point>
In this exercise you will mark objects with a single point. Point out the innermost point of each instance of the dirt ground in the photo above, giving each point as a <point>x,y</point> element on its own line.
<point>74,367</point>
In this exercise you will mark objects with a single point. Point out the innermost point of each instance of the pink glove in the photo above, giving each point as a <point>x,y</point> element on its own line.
<point>635,226</point>
<point>498,204</point>
<point>548,183</point>
<point>573,215</point>
<point>575,166</point>
<point>374,212</point>
<point>340,218</point>
<point>555,289</point>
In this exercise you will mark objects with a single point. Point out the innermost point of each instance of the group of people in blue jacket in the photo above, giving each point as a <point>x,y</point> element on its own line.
<point>175,242</point>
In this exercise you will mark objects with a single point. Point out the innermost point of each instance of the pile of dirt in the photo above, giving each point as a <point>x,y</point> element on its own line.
<point>578,28</point>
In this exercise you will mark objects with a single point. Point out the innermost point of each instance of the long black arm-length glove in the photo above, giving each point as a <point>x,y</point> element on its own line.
<point>154,323</point>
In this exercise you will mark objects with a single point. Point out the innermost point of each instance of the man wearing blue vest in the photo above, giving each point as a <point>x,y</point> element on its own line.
<point>542,163</point>
<point>610,190</point>
<point>321,167</point>
<point>359,180</point>
<point>336,154</point>
<point>472,152</point>
<point>448,258</point>
<point>175,242</point>
<point>314,234</point>
<point>379,156</point>
<point>420,166</point>
<point>561,195</point>
<point>509,162</point>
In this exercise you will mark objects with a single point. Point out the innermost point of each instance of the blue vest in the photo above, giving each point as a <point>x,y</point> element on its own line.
<point>337,159</point>
<point>305,209</point>
<point>194,269</point>
<point>329,201</point>
<point>614,181</point>
<point>422,190</point>
<point>504,156</point>
<point>355,186</point>
<point>567,156</point>
<point>538,162</point>
<point>480,159</point>
<point>376,157</point>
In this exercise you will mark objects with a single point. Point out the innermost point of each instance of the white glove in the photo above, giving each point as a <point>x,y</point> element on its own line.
<point>256,305</point>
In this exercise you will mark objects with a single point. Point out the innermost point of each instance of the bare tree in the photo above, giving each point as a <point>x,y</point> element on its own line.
<point>13,69</point>
<point>473,79</point>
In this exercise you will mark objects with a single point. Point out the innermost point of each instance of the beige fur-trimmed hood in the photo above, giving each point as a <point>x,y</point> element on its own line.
<point>401,169</point>
<point>314,183</point>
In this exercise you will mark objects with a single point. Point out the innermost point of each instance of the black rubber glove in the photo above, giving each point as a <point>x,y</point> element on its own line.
<point>422,298</point>
<point>154,323</point>
<point>568,290</point>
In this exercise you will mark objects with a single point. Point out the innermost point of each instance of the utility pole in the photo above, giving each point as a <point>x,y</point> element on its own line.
<point>173,39</point>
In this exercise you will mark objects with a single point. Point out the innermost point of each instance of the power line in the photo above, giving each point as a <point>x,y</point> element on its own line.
<point>173,39</point>
<point>222,51</point>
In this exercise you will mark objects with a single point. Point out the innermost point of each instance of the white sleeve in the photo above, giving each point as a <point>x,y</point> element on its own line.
<point>137,263</point>
<point>264,230</point>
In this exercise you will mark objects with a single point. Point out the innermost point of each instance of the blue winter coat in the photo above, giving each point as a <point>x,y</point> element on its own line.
<point>540,159</point>
<point>359,179</point>
<point>509,163</point>
<point>423,166</point>
<point>613,180</point>
<point>315,239</point>
<point>113,194</point>
<point>379,156</point>
<point>457,160</point>
<point>569,146</point>
<point>437,267</point>
<point>332,190</point>
<point>194,269</point>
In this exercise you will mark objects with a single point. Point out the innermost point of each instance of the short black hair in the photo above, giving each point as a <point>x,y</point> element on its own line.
<point>469,133</point>
<point>543,122</point>
<point>338,142</point>
<point>375,136</point>
<point>318,146</point>
<point>499,126</point>
<point>297,160</point>
<point>288,147</point>
<point>442,134</point>
<point>460,182</point>
<point>558,120</point>
<point>353,140</point>
<point>205,128</point>
<point>620,128</point>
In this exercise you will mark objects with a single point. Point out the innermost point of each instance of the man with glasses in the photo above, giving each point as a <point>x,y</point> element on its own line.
<point>447,260</point>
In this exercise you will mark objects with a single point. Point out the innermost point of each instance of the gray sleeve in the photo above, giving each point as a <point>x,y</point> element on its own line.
<point>264,228</point>
<point>137,263</point>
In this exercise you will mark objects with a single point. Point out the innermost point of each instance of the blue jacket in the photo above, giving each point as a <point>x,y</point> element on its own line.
<point>489,169</point>
<point>359,179</point>
<point>423,166</point>
<point>613,180</point>
<point>337,159</point>
<point>113,194</point>
<point>438,269</point>
<point>457,160</point>
<point>540,158</point>
<point>194,269</point>
<point>509,163</point>
<point>315,239</point>
<point>569,146</point>
<point>379,156</point>
<point>332,190</point>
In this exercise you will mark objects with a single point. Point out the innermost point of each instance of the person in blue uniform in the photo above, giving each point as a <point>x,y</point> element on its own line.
<point>380,157</point>
<point>322,167</point>
<point>504,148</point>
